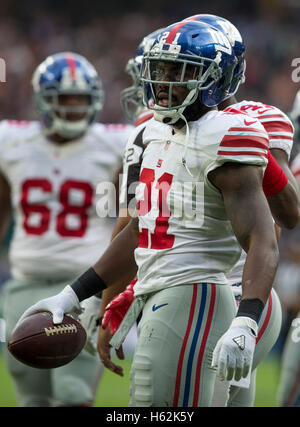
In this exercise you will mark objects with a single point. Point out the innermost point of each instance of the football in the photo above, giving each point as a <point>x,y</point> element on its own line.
<point>38,343</point>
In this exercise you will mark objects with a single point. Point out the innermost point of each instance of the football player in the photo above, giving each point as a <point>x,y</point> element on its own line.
<point>189,330</point>
<point>283,200</point>
<point>50,170</point>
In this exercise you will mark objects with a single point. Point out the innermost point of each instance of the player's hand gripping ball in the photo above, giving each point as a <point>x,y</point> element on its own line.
<point>38,343</point>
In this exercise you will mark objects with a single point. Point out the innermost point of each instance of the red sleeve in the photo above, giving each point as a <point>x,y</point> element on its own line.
<point>274,179</point>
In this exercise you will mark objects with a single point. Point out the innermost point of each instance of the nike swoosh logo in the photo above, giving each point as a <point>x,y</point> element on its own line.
<point>249,123</point>
<point>156,307</point>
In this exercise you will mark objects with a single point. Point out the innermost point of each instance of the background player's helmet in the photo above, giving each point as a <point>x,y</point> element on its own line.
<point>189,44</point>
<point>132,97</point>
<point>236,41</point>
<point>66,73</point>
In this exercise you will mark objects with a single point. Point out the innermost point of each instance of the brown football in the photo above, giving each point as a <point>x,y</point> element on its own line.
<point>37,342</point>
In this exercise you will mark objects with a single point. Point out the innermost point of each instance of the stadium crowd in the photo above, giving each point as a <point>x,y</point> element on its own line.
<point>108,37</point>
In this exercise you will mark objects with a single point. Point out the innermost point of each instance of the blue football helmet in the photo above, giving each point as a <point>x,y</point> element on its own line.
<point>236,41</point>
<point>66,73</point>
<point>192,46</point>
<point>132,97</point>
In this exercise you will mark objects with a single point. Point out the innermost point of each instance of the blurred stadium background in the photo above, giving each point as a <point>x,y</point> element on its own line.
<point>107,33</point>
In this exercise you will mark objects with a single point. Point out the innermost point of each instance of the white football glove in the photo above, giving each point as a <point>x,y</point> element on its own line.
<point>91,308</point>
<point>66,302</point>
<point>233,354</point>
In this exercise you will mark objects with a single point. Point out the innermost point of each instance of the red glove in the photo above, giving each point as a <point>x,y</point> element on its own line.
<point>117,308</point>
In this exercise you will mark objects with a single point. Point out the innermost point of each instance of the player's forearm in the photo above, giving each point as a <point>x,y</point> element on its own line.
<point>259,269</point>
<point>285,208</point>
<point>117,265</point>
<point>5,219</point>
<point>123,219</point>
<point>109,294</point>
<point>252,224</point>
<point>118,260</point>
<point>257,236</point>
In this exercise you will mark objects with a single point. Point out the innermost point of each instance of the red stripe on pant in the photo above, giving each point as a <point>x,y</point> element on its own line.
<point>266,321</point>
<point>203,343</point>
<point>181,356</point>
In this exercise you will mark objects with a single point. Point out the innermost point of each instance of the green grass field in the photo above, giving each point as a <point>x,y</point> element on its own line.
<point>117,389</point>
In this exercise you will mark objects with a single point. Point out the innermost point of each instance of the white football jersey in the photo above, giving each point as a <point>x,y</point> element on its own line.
<point>61,223</point>
<point>279,127</point>
<point>281,134</point>
<point>185,234</point>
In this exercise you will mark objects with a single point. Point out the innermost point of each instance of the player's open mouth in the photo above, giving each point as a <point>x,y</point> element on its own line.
<point>163,99</point>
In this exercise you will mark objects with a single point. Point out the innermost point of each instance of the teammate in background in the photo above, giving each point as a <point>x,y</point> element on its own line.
<point>283,200</point>
<point>289,386</point>
<point>182,260</point>
<point>136,112</point>
<point>50,170</point>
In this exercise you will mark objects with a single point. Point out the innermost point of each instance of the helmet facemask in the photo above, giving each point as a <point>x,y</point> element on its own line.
<point>169,68</point>
<point>132,96</point>
<point>56,115</point>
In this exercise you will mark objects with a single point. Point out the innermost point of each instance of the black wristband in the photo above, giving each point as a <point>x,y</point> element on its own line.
<point>251,308</point>
<point>88,284</point>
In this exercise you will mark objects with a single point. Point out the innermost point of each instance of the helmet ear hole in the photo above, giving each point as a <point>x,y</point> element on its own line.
<point>220,82</point>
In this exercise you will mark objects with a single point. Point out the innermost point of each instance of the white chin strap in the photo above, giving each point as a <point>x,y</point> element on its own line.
<point>68,129</point>
<point>169,117</point>
<point>166,116</point>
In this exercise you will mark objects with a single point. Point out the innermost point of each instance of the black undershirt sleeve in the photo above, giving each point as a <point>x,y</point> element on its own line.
<point>133,169</point>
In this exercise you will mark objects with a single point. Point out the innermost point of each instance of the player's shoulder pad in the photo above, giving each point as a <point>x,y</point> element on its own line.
<point>110,128</point>
<point>136,136</point>
<point>112,135</point>
<point>154,130</point>
<point>278,125</point>
<point>270,116</point>
<point>144,116</point>
<point>244,139</point>
<point>16,132</point>
<point>232,118</point>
